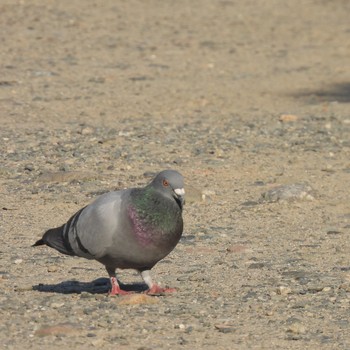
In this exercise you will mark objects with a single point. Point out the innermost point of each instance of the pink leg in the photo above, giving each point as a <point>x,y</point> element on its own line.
<point>155,289</point>
<point>115,290</point>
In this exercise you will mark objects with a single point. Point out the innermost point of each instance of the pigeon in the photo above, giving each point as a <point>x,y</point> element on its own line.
<point>127,229</point>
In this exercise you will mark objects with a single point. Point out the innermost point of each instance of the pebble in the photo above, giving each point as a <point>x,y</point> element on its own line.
<point>333,232</point>
<point>283,290</point>
<point>328,169</point>
<point>287,118</point>
<point>180,326</point>
<point>315,288</point>
<point>207,192</point>
<point>250,203</point>
<point>225,328</point>
<point>57,305</point>
<point>239,249</point>
<point>296,328</point>
<point>52,268</point>
<point>97,342</point>
<point>63,329</point>
<point>345,286</point>
<point>4,275</point>
<point>88,130</point>
<point>29,167</point>
<point>297,191</point>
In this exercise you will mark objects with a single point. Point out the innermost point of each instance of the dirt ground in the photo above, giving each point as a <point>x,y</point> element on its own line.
<point>239,96</point>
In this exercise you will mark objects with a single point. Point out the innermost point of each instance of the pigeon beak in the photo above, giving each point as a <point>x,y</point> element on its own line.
<point>180,194</point>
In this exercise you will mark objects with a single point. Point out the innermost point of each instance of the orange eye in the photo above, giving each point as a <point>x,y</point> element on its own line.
<point>165,183</point>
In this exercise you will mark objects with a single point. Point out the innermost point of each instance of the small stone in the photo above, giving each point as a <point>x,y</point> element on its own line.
<point>250,203</point>
<point>18,261</point>
<point>29,167</point>
<point>189,329</point>
<point>182,341</point>
<point>315,289</point>
<point>259,183</point>
<point>4,275</point>
<point>182,278</point>
<point>333,232</point>
<point>59,329</point>
<point>225,328</point>
<point>328,168</point>
<point>56,305</point>
<point>283,290</point>
<point>345,286</point>
<point>208,192</point>
<point>180,326</point>
<point>87,130</point>
<point>97,342</point>
<point>86,295</point>
<point>287,118</point>
<point>52,268</point>
<point>296,328</point>
<point>239,249</point>
<point>297,191</point>
<point>178,161</point>
<point>149,174</point>
<point>256,266</point>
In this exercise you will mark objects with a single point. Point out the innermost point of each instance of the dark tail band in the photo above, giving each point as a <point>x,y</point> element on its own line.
<point>39,242</point>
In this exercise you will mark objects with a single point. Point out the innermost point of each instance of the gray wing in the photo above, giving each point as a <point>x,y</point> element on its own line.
<point>91,231</point>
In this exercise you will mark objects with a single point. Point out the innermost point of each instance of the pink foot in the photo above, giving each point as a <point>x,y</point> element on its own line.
<point>156,290</point>
<point>115,290</point>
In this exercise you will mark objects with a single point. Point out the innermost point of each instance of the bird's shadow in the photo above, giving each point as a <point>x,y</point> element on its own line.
<point>98,286</point>
<point>339,92</point>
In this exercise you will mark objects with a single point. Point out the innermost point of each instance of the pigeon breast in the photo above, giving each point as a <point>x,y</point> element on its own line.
<point>155,219</point>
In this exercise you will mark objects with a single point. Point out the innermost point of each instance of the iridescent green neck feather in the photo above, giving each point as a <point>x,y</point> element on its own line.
<point>154,217</point>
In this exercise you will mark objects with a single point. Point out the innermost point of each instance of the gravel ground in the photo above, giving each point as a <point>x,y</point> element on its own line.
<point>249,101</point>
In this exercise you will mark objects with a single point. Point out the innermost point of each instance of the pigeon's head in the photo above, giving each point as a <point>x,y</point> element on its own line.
<point>170,183</point>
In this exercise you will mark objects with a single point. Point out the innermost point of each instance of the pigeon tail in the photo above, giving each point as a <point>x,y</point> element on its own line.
<point>54,238</point>
<point>39,242</point>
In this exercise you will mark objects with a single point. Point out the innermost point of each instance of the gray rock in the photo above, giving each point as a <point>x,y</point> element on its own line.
<point>225,328</point>
<point>296,327</point>
<point>292,192</point>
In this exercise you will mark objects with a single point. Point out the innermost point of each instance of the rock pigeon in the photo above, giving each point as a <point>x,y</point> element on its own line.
<point>127,229</point>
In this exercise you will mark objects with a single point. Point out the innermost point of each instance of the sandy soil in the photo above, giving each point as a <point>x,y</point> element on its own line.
<point>239,96</point>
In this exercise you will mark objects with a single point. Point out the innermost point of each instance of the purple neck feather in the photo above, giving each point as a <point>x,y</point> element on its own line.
<point>142,231</point>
